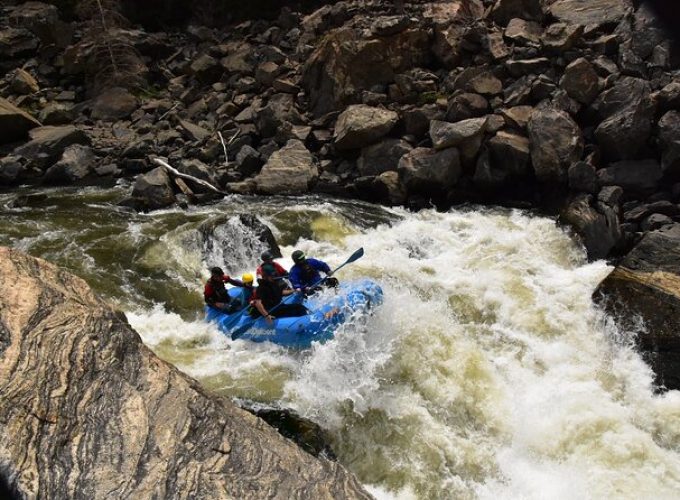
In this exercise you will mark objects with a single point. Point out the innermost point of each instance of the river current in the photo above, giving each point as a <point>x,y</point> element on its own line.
<point>487,373</point>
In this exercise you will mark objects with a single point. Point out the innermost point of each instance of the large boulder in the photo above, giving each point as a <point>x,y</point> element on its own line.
<point>290,170</point>
<point>47,144</point>
<point>589,12</point>
<point>360,125</point>
<point>89,411</point>
<point>646,284</point>
<point>14,122</point>
<point>556,143</point>
<point>595,222</point>
<point>279,109</point>
<point>627,110</point>
<point>153,190</point>
<point>429,172</point>
<point>344,64</point>
<point>382,157</point>
<point>76,163</point>
<point>42,19</point>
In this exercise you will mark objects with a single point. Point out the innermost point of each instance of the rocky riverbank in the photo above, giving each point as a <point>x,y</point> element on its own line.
<point>571,104</point>
<point>87,411</point>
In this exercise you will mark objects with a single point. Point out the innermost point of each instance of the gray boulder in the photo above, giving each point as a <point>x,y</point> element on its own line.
<point>153,190</point>
<point>77,162</point>
<point>248,161</point>
<point>580,81</point>
<point>22,82</point>
<point>583,177</point>
<point>462,133</point>
<point>641,176</point>
<point>206,69</point>
<point>427,171</point>
<point>279,109</point>
<point>56,113</point>
<point>290,170</point>
<point>627,111</point>
<point>47,144</point>
<point>510,153</point>
<point>556,143</point>
<point>14,122</point>
<point>360,125</point>
<point>523,32</point>
<point>467,105</point>
<point>382,157</point>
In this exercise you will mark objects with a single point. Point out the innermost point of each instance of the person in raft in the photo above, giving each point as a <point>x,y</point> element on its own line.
<point>305,277</point>
<point>215,293</point>
<point>281,273</point>
<point>247,291</point>
<point>267,298</point>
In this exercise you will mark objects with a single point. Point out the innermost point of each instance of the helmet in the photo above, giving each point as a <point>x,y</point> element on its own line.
<point>266,255</point>
<point>268,270</point>
<point>298,256</point>
<point>216,271</point>
<point>247,278</point>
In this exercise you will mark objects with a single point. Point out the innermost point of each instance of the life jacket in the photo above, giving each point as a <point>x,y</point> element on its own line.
<point>309,274</point>
<point>269,293</point>
<point>216,292</point>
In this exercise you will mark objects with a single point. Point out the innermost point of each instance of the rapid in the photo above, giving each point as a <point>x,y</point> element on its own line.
<point>488,372</point>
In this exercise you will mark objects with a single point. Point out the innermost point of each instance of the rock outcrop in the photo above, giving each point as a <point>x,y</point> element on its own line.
<point>87,411</point>
<point>646,285</point>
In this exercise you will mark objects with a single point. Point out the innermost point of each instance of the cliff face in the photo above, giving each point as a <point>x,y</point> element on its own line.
<point>87,411</point>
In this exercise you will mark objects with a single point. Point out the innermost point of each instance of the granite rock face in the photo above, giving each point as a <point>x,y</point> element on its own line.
<point>87,411</point>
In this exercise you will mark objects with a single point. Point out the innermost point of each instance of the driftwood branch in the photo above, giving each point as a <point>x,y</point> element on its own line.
<point>177,173</point>
<point>224,146</point>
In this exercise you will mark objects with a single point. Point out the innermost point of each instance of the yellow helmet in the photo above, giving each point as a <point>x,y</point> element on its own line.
<point>247,278</point>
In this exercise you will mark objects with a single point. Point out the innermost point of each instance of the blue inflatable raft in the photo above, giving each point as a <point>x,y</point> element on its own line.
<point>327,310</point>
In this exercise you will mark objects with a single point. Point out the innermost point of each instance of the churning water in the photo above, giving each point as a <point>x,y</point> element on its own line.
<point>487,373</point>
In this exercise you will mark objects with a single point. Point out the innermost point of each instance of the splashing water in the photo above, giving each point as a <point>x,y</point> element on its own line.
<point>487,373</point>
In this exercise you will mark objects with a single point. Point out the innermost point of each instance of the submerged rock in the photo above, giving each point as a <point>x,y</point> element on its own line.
<point>89,411</point>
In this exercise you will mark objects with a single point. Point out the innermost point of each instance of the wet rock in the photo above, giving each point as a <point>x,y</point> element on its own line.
<point>114,104</point>
<point>510,153</point>
<point>580,81</point>
<point>505,10</point>
<point>627,111</point>
<point>519,67</point>
<point>646,284</point>
<point>382,157</point>
<point>429,172</point>
<point>14,122</point>
<point>388,188</point>
<point>196,168</point>
<point>593,12</point>
<point>360,125</point>
<point>556,143</point>
<point>290,170</point>
<point>597,226</point>
<point>116,395</point>
<point>633,176</point>
<point>669,139</point>
<point>523,32</point>
<point>12,170</point>
<point>22,82</point>
<point>47,144</point>
<point>76,163</point>
<point>153,190</point>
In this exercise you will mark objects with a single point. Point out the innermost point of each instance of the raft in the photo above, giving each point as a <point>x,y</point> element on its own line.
<point>328,310</point>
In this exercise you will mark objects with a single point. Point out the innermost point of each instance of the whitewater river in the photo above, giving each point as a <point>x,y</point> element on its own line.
<point>487,373</point>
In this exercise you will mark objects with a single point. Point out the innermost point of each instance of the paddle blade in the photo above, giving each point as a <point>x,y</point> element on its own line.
<point>355,256</point>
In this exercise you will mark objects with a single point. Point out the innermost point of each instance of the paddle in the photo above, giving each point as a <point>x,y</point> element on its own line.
<point>354,257</point>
